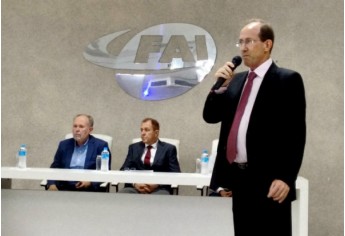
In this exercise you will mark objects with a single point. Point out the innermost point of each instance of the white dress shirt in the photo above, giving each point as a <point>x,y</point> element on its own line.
<point>79,155</point>
<point>153,152</point>
<point>242,131</point>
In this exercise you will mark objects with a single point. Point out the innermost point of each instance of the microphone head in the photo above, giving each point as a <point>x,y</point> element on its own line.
<point>237,60</point>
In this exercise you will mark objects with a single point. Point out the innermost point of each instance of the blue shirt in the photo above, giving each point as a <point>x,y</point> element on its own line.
<point>79,156</point>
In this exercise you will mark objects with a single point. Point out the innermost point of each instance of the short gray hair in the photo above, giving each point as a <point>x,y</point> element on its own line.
<point>90,118</point>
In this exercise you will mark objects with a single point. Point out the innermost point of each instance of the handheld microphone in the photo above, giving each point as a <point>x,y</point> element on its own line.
<point>237,60</point>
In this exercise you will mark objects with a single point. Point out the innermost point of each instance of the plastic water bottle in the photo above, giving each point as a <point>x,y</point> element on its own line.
<point>21,162</point>
<point>204,162</point>
<point>105,159</point>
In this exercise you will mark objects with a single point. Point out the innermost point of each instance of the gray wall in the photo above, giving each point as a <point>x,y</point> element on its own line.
<point>46,81</point>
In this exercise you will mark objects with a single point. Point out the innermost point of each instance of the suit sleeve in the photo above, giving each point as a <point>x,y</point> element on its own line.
<point>128,161</point>
<point>213,112</point>
<point>174,165</point>
<point>293,129</point>
<point>57,163</point>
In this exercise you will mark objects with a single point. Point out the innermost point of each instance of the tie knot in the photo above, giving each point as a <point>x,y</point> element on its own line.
<point>149,147</point>
<point>251,75</point>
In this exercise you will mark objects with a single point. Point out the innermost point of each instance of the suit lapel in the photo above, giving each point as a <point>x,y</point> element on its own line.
<point>237,85</point>
<point>139,153</point>
<point>90,151</point>
<point>159,152</point>
<point>264,99</point>
<point>234,94</point>
<point>265,87</point>
<point>69,152</point>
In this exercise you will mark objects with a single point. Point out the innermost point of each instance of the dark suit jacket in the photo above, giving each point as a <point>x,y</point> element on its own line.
<point>276,132</point>
<point>63,157</point>
<point>165,159</point>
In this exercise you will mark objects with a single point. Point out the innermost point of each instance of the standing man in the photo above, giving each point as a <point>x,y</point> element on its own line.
<point>79,152</point>
<point>262,136</point>
<point>150,154</point>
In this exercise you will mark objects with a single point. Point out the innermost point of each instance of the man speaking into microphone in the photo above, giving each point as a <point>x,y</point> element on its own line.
<point>262,137</point>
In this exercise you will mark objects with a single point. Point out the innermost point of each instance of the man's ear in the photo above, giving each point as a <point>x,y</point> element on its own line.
<point>268,45</point>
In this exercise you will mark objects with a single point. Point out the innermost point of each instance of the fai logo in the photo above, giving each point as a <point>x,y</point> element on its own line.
<point>160,62</point>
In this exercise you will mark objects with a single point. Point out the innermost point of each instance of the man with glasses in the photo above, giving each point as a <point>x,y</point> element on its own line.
<point>262,136</point>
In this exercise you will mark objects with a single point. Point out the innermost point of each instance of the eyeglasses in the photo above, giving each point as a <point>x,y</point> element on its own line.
<point>245,42</point>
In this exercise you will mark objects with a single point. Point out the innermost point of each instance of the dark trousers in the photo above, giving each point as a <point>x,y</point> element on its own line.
<point>254,213</point>
<point>70,186</point>
<point>159,191</point>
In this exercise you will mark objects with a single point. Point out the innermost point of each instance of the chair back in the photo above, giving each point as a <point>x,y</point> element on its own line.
<point>213,155</point>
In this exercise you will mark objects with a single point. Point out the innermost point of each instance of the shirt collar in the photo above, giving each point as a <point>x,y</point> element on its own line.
<point>263,68</point>
<point>154,145</point>
<point>84,145</point>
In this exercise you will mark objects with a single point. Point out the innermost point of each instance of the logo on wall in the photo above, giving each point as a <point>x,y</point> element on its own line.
<point>160,62</point>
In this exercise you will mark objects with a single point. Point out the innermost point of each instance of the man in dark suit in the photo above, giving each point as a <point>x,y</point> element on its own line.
<point>79,152</point>
<point>150,154</point>
<point>260,151</point>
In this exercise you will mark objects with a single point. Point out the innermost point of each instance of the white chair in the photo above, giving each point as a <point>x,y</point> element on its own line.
<point>174,142</point>
<point>213,155</point>
<point>299,208</point>
<point>212,159</point>
<point>104,137</point>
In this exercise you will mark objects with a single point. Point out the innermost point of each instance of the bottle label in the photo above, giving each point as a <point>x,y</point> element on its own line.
<point>22,153</point>
<point>105,155</point>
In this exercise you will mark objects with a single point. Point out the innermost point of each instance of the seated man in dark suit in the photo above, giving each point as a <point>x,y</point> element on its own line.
<point>79,152</point>
<point>150,154</point>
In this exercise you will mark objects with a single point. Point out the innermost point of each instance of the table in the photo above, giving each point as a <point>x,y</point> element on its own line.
<point>299,207</point>
<point>35,212</point>
<point>191,179</point>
